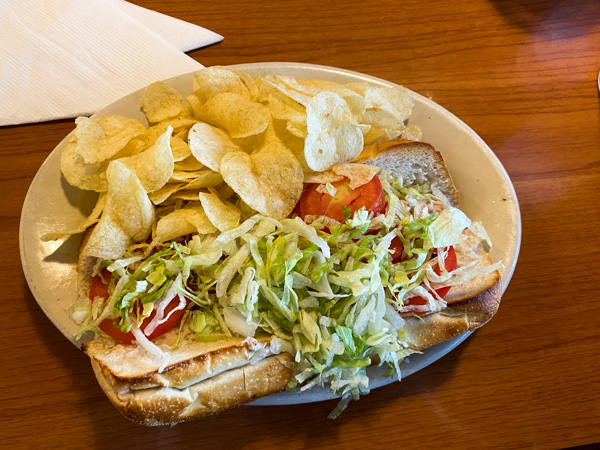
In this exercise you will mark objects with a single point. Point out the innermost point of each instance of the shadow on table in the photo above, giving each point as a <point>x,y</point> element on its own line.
<point>552,18</point>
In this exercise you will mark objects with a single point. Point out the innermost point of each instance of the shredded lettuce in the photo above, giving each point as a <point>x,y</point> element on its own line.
<point>328,291</point>
<point>447,229</point>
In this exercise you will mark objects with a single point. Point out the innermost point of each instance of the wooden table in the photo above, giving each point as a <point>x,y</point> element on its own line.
<point>522,74</point>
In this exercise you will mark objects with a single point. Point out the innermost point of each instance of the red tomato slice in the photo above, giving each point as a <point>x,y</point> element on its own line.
<point>397,248</point>
<point>369,195</point>
<point>171,321</point>
<point>451,264</point>
<point>99,289</point>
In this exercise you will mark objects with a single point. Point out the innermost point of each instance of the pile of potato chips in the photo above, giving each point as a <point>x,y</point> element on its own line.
<point>234,147</point>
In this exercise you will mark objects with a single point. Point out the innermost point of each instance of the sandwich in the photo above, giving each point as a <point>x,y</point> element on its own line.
<point>266,235</point>
<point>200,377</point>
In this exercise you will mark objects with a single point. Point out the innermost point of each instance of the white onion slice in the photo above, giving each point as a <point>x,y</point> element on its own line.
<point>151,348</point>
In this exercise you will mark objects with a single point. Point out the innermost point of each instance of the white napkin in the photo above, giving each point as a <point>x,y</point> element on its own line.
<point>65,58</point>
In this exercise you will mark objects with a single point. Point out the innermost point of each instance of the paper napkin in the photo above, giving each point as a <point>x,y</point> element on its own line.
<point>65,58</point>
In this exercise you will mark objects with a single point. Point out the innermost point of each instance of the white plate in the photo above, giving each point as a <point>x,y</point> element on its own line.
<point>52,204</point>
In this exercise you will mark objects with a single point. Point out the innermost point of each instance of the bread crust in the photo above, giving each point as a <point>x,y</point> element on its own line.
<point>416,162</point>
<point>473,287</point>
<point>169,406</point>
<point>456,319</point>
<point>191,361</point>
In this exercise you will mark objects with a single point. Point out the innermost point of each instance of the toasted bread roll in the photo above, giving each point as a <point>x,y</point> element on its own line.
<point>456,319</point>
<point>415,162</point>
<point>170,405</point>
<point>202,377</point>
<point>190,362</point>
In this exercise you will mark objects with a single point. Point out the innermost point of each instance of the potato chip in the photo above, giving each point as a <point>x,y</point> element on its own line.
<point>163,210</point>
<point>412,133</point>
<point>90,177</point>
<point>277,83</point>
<point>293,143</point>
<point>160,102</point>
<point>355,101</point>
<point>180,149</point>
<point>133,147</point>
<point>153,166</point>
<point>217,80</point>
<point>302,91</point>
<point>382,135</point>
<point>357,86</point>
<point>357,174</point>
<point>161,195</point>
<point>174,225</point>
<point>251,143</point>
<point>168,206</point>
<point>297,129</point>
<point>329,176</point>
<point>183,134</point>
<point>250,84</point>
<point>246,210</point>
<point>128,215</point>
<point>87,222</point>
<point>209,144</point>
<point>269,180</point>
<point>205,179</point>
<point>199,218</point>
<point>332,136</point>
<point>190,219</point>
<point>179,125</point>
<point>224,191</point>
<point>100,138</point>
<point>264,89</point>
<point>195,104</point>
<point>237,115</point>
<point>189,164</point>
<point>284,108</point>
<point>222,214</point>
<point>156,131</point>
<point>128,202</point>
<point>259,139</point>
<point>398,101</point>
<point>186,195</point>
<point>179,176</point>
<point>364,128</point>
<point>107,240</point>
<point>382,119</point>
<point>186,110</point>
<point>373,135</point>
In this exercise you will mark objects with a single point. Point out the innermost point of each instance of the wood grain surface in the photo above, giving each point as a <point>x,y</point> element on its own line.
<point>523,75</point>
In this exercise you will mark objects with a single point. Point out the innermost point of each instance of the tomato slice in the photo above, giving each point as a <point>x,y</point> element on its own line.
<point>397,248</point>
<point>369,195</point>
<point>99,289</point>
<point>170,322</point>
<point>451,264</point>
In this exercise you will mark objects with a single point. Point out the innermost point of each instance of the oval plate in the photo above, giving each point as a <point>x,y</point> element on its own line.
<point>51,204</point>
